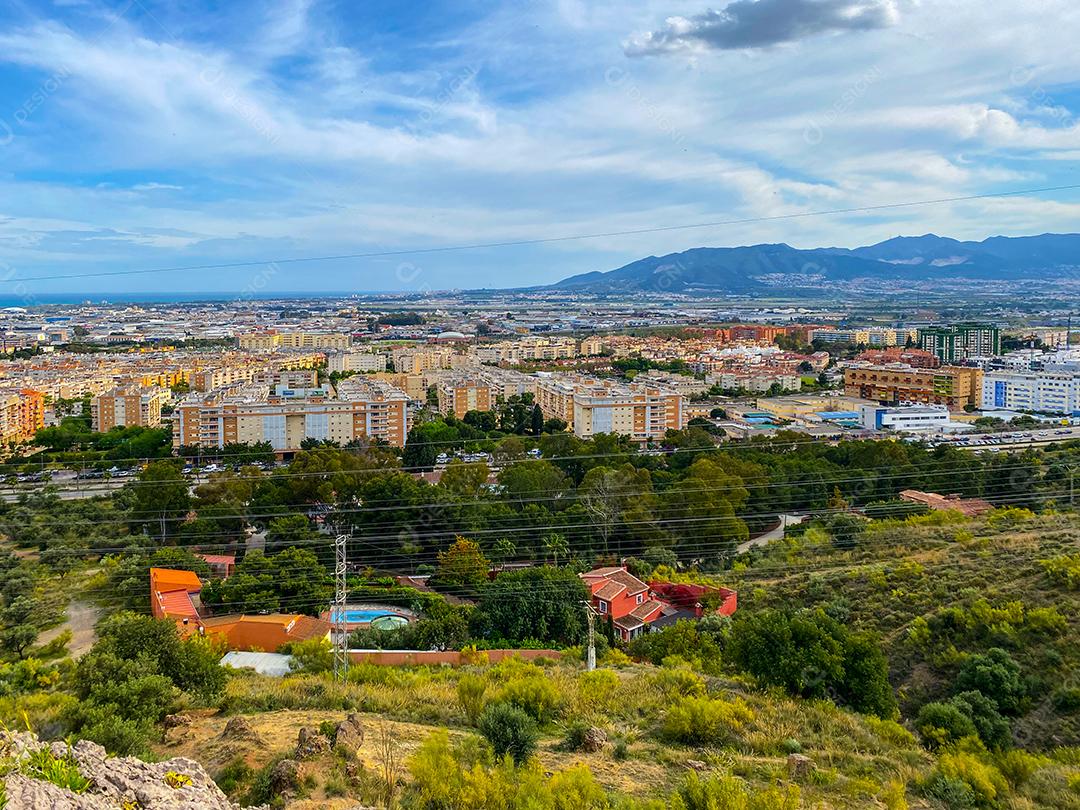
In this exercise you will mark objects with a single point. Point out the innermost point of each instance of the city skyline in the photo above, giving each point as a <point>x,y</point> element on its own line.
<point>144,137</point>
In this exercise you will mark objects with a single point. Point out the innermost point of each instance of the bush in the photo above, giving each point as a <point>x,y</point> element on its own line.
<point>703,720</point>
<point>680,682</point>
<point>1018,766</point>
<point>471,691</point>
<point>682,639</point>
<point>996,675</point>
<point>942,724</point>
<point>812,655</point>
<point>510,731</point>
<point>992,728</point>
<point>535,694</point>
<point>599,686</point>
<point>985,781</point>
<point>729,793</point>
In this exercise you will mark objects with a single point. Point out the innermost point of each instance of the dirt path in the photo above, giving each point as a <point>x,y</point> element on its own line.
<point>81,618</point>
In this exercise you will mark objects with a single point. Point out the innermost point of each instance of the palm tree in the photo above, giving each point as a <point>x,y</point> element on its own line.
<point>556,544</point>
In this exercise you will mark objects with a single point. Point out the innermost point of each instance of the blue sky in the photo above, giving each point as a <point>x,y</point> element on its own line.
<point>159,134</point>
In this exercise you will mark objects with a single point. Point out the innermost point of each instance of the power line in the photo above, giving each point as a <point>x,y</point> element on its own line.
<point>554,239</point>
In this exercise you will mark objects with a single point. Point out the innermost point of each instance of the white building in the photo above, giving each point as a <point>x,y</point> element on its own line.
<point>1049,391</point>
<point>910,419</point>
<point>355,361</point>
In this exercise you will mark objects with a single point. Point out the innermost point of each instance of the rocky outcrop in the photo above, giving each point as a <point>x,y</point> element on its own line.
<point>349,735</point>
<point>114,782</point>
<point>310,742</point>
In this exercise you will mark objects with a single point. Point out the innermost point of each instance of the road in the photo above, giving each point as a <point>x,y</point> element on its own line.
<point>776,533</point>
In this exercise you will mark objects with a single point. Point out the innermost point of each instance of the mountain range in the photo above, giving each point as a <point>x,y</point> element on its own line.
<point>757,268</point>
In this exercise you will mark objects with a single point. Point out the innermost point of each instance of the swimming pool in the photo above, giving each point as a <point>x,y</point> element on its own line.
<point>368,616</point>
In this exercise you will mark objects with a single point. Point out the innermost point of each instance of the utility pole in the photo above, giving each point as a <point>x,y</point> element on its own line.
<point>338,623</point>
<point>590,653</point>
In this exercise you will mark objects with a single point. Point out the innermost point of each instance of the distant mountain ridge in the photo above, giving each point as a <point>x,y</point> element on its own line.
<point>761,267</point>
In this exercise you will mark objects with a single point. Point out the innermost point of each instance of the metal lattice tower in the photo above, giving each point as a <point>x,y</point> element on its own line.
<point>339,625</point>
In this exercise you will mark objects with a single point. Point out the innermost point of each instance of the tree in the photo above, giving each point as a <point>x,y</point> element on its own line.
<point>812,655</point>
<point>292,581</point>
<point>997,676</point>
<point>461,565</point>
<point>465,481</point>
<point>845,529</point>
<point>160,499</point>
<point>542,604</point>
<point>556,544</point>
<point>290,531</point>
<point>537,421</point>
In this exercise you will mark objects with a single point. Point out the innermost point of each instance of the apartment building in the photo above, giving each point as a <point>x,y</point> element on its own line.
<point>359,362</point>
<point>127,407</point>
<point>363,409</point>
<point>539,348</point>
<point>638,410</point>
<point>1048,391</point>
<point>755,381</point>
<point>459,395</point>
<point>952,386</point>
<point>868,336</point>
<point>919,358</point>
<point>951,344</point>
<point>418,359</point>
<point>22,414</point>
<point>273,340</point>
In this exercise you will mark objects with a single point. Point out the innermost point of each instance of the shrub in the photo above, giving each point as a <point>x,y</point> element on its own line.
<point>599,686</point>
<point>729,793</point>
<point>992,728</point>
<point>1018,766</point>
<point>510,731</point>
<point>471,690</point>
<point>942,724</point>
<point>985,781</point>
<point>679,681</point>
<point>1064,570</point>
<point>682,639</point>
<point>702,720</point>
<point>996,675</point>
<point>313,655</point>
<point>535,694</point>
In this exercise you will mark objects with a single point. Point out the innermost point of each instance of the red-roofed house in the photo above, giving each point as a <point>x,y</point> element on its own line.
<point>172,596</point>
<point>634,605</point>
<point>221,565</point>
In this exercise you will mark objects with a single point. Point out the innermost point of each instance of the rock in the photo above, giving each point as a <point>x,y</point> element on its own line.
<point>799,766</point>
<point>310,743</point>
<point>175,784</point>
<point>240,728</point>
<point>285,777</point>
<point>696,765</point>
<point>350,734</point>
<point>176,721</point>
<point>595,739</point>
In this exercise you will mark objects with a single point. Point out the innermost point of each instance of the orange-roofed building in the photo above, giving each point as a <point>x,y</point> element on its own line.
<point>266,633</point>
<point>172,596</point>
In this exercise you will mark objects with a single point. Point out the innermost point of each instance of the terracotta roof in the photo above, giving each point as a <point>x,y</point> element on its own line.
<point>628,622</point>
<point>219,559</point>
<point>169,579</point>
<point>609,591</point>
<point>176,604</point>
<point>266,632</point>
<point>645,609</point>
<point>632,584</point>
<point>601,573</point>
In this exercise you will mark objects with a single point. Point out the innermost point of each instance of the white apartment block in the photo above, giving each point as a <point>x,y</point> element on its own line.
<point>362,409</point>
<point>590,406</point>
<point>361,362</point>
<point>1056,392</point>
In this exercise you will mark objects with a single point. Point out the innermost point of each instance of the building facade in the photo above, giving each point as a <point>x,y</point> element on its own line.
<point>951,344</point>
<point>127,407</point>
<point>1052,392</point>
<point>955,387</point>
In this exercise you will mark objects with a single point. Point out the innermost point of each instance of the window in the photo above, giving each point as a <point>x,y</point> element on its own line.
<point>640,598</point>
<point>601,605</point>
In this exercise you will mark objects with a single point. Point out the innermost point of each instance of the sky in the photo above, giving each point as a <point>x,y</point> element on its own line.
<point>137,134</point>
